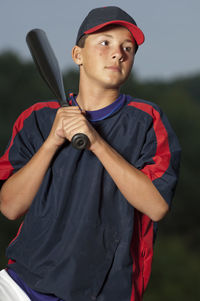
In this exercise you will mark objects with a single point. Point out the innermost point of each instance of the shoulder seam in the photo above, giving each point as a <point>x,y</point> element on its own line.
<point>145,107</point>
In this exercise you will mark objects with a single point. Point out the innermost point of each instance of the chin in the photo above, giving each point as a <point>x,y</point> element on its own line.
<point>114,84</point>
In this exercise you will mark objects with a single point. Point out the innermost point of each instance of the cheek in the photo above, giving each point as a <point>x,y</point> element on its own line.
<point>130,62</point>
<point>101,51</point>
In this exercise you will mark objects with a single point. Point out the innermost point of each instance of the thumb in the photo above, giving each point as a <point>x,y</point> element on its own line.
<point>60,133</point>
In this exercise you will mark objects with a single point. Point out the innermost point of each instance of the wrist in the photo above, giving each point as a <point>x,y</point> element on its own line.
<point>49,147</point>
<point>98,147</point>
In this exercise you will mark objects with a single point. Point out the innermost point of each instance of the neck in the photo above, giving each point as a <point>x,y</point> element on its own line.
<point>93,98</point>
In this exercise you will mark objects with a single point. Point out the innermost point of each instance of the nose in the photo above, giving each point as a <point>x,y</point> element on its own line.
<point>118,54</point>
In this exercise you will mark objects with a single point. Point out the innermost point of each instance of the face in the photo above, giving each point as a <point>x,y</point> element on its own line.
<point>107,58</point>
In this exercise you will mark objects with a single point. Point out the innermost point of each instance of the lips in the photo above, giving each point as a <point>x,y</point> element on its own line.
<point>114,68</point>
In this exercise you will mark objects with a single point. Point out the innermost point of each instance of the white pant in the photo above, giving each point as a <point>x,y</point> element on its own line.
<point>9,290</point>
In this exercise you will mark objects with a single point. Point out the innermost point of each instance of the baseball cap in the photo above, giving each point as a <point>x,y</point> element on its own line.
<point>104,16</point>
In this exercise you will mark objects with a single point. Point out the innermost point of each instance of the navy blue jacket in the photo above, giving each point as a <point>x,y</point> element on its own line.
<point>81,240</point>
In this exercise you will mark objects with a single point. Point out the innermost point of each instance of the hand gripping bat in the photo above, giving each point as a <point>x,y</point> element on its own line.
<point>48,67</point>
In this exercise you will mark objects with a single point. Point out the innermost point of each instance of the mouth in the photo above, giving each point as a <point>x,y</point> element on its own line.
<point>114,68</point>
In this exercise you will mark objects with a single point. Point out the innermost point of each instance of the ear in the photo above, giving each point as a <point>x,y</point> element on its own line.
<point>77,55</point>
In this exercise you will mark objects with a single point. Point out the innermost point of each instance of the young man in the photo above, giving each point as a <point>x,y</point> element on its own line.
<point>89,218</point>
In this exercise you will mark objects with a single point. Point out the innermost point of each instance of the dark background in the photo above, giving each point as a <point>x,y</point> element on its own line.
<point>176,265</point>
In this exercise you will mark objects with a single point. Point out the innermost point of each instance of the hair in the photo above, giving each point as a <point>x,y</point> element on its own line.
<point>81,42</point>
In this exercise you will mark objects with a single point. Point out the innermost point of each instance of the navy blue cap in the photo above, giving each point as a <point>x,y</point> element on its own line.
<point>104,16</point>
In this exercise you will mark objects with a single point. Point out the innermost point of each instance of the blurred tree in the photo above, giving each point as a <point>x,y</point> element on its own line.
<point>175,273</point>
<point>21,86</point>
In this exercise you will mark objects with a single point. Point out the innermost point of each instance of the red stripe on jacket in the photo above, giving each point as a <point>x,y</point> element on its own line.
<point>142,242</point>
<point>10,261</point>
<point>6,168</point>
<point>18,126</point>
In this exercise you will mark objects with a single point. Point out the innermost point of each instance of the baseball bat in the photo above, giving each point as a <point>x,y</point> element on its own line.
<point>48,67</point>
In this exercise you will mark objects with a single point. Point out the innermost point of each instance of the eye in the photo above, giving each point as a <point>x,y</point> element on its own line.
<point>128,49</point>
<point>104,43</point>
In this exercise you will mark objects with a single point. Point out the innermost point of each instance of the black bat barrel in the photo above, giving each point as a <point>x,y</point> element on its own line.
<point>46,62</point>
<point>48,67</point>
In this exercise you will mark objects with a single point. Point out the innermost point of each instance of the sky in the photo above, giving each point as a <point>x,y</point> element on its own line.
<point>171,28</point>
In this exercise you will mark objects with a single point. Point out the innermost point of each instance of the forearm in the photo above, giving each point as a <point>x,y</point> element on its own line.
<point>136,187</point>
<point>19,190</point>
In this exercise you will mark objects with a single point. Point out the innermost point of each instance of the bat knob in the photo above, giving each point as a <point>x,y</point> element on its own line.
<point>80,141</point>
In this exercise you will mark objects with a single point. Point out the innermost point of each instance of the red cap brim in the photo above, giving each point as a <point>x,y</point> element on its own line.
<point>136,31</point>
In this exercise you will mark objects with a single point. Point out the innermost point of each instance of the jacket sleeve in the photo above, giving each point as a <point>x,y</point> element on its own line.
<point>160,156</point>
<point>21,146</point>
<point>29,132</point>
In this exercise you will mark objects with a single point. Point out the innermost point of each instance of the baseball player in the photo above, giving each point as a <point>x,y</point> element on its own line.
<point>90,215</point>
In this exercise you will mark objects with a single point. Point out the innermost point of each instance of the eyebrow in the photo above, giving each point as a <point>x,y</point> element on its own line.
<point>110,36</point>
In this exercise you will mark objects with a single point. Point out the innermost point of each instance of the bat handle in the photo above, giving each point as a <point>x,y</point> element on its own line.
<point>79,141</point>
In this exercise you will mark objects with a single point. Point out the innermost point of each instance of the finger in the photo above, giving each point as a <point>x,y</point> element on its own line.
<point>74,123</point>
<point>73,118</point>
<point>71,114</point>
<point>69,109</point>
<point>76,130</point>
<point>75,127</point>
